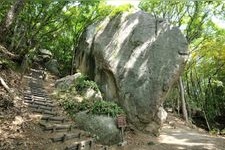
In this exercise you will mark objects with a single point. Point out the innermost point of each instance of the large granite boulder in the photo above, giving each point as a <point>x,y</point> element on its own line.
<point>135,59</point>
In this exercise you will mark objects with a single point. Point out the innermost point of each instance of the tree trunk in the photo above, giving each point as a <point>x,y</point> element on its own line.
<point>184,109</point>
<point>9,18</point>
<point>72,62</point>
<point>178,104</point>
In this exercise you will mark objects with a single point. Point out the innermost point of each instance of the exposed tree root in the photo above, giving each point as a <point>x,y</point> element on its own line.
<point>10,91</point>
<point>7,53</point>
<point>4,85</point>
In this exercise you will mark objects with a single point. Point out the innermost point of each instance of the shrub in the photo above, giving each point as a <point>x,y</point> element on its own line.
<point>97,107</point>
<point>106,108</point>
<point>83,82</point>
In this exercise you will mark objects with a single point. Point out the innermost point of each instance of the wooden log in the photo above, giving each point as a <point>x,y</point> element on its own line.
<point>36,71</point>
<point>65,137</point>
<point>45,112</point>
<point>40,107</point>
<point>41,89</point>
<point>39,103</point>
<point>85,144</point>
<point>38,91</point>
<point>40,95</point>
<point>27,95</point>
<point>49,118</point>
<point>55,127</point>
<point>38,100</point>
<point>75,146</point>
<point>35,86</point>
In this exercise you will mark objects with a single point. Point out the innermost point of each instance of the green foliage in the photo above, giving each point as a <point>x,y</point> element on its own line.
<point>54,25</point>
<point>222,132</point>
<point>4,6</point>
<point>204,75</point>
<point>118,10</point>
<point>190,16</point>
<point>7,63</point>
<point>214,131</point>
<point>96,107</point>
<point>106,108</point>
<point>82,83</point>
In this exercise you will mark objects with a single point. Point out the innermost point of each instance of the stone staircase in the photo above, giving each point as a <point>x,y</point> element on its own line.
<point>61,130</point>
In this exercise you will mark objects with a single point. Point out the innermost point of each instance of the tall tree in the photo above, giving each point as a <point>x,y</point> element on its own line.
<point>184,109</point>
<point>9,18</point>
<point>194,19</point>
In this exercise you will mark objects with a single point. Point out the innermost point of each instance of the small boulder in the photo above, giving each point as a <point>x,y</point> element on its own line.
<point>103,127</point>
<point>66,82</point>
<point>90,93</point>
<point>53,66</point>
<point>162,115</point>
<point>45,52</point>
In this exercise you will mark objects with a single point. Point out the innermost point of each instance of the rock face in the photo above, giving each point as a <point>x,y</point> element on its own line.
<point>102,126</point>
<point>135,59</point>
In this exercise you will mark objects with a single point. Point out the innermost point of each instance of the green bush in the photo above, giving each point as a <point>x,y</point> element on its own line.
<point>214,131</point>
<point>106,108</point>
<point>97,107</point>
<point>83,82</point>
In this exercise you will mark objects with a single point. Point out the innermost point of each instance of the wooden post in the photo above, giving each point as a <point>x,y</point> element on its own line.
<point>121,123</point>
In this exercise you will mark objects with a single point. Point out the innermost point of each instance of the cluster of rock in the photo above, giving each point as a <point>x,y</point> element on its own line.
<point>45,58</point>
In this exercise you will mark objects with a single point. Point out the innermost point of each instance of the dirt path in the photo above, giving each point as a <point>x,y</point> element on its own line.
<point>175,135</point>
<point>183,137</point>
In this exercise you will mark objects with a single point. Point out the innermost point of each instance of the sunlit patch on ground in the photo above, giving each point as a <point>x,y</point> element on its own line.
<point>184,137</point>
